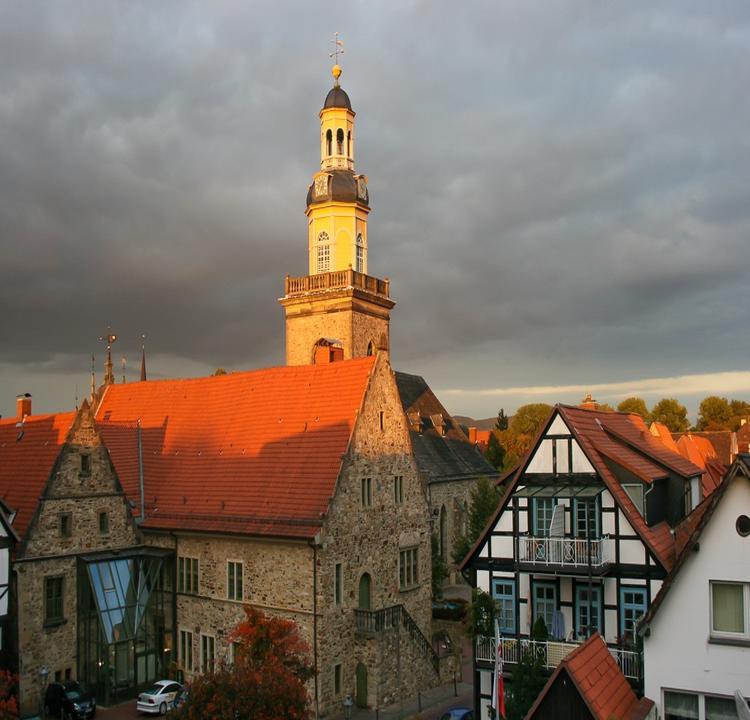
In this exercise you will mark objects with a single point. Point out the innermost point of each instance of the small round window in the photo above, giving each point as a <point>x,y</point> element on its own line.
<point>743,525</point>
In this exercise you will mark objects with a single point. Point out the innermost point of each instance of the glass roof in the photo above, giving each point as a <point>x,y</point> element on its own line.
<point>560,490</point>
<point>122,589</point>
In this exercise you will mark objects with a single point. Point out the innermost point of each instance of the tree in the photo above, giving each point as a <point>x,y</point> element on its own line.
<point>740,410</point>
<point>481,615</point>
<point>636,406</point>
<point>714,413</point>
<point>220,371</point>
<point>495,452</point>
<point>502,420</point>
<point>527,682</point>
<point>669,412</point>
<point>8,703</point>
<point>482,504</point>
<point>524,426</point>
<point>605,407</point>
<point>266,681</point>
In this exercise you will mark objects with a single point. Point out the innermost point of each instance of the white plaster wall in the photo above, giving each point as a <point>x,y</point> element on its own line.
<point>677,653</point>
<point>580,461</point>
<point>505,521</point>
<point>558,427</point>
<point>4,569</point>
<point>632,551</point>
<point>483,580</point>
<point>541,462</point>
<point>562,456</point>
<point>502,547</point>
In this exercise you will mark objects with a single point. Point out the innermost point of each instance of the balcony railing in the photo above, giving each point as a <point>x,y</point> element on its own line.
<point>338,279</point>
<point>565,552</point>
<point>551,653</point>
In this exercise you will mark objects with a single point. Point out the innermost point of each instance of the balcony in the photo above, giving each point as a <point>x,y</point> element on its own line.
<point>336,280</point>
<point>551,653</point>
<point>563,553</point>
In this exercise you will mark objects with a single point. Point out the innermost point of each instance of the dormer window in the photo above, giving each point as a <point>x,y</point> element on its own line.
<point>635,493</point>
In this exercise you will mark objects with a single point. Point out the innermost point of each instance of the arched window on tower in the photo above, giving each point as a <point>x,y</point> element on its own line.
<point>329,142</point>
<point>349,144</point>
<point>370,349</point>
<point>339,142</point>
<point>324,253</point>
<point>360,253</point>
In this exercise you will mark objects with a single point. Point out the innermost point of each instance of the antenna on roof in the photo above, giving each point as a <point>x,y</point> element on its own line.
<point>93,378</point>
<point>143,357</point>
<point>124,362</point>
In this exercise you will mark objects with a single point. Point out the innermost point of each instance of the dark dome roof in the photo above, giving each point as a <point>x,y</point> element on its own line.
<point>337,98</point>
<point>342,187</point>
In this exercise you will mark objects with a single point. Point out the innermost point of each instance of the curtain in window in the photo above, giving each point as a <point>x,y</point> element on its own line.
<point>728,610</point>
<point>680,706</point>
<point>721,709</point>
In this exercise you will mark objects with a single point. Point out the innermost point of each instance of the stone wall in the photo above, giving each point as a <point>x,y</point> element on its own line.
<point>455,497</point>
<point>368,540</point>
<point>83,492</point>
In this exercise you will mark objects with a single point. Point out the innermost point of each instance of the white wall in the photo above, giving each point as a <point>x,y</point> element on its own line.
<point>677,653</point>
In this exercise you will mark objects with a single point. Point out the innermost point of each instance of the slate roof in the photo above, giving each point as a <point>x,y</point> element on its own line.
<point>27,456</point>
<point>600,683</point>
<point>622,438</point>
<point>441,457</point>
<point>251,452</point>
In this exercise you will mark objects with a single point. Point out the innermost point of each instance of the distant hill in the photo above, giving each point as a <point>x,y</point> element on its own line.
<point>485,424</point>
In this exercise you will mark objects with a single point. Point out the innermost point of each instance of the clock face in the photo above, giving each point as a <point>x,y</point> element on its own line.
<point>321,185</point>
<point>362,188</point>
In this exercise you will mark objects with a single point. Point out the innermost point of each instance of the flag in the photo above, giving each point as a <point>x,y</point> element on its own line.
<point>498,687</point>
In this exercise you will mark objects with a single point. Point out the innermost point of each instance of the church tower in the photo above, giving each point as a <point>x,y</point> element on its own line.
<point>337,310</point>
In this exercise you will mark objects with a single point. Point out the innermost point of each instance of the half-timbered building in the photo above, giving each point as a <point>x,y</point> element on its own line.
<point>582,538</point>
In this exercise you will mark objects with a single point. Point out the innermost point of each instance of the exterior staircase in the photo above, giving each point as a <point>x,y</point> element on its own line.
<point>396,617</point>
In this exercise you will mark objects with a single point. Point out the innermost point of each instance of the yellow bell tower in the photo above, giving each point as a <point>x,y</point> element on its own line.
<point>337,305</point>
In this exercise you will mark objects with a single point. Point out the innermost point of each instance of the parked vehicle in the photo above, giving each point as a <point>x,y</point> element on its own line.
<point>458,713</point>
<point>69,700</point>
<point>158,698</point>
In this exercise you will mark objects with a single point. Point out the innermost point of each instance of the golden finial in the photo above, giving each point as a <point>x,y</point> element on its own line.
<point>338,49</point>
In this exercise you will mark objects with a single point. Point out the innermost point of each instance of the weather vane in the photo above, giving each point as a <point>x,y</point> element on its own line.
<point>338,47</point>
<point>109,338</point>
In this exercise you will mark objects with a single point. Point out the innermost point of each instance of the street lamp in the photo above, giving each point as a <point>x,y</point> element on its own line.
<point>43,675</point>
<point>348,702</point>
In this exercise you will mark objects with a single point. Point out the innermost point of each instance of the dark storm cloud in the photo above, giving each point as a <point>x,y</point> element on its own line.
<point>560,190</point>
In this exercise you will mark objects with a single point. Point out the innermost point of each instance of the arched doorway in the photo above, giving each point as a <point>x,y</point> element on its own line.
<point>361,698</point>
<point>364,591</point>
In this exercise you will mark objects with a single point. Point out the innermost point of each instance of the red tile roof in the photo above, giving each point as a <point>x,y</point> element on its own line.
<point>26,461</point>
<point>253,452</point>
<point>599,682</point>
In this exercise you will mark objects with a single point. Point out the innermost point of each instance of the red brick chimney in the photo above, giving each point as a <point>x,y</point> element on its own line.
<point>473,435</point>
<point>23,406</point>
<point>588,403</point>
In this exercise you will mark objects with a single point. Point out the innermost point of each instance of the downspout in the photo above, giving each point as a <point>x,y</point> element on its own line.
<point>315,625</point>
<point>140,474</point>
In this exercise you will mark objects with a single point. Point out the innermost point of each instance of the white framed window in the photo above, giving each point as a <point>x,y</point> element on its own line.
<point>398,489</point>
<point>360,253</point>
<point>235,572</point>
<point>679,705</point>
<point>338,584</point>
<point>684,705</point>
<point>187,575</point>
<point>408,573</point>
<point>366,486</point>
<point>324,253</point>
<point>729,610</point>
<point>186,650</point>
<point>208,653</point>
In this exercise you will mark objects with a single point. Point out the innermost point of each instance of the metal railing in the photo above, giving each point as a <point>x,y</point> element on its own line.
<point>395,617</point>
<point>551,653</point>
<point>335,280</point>
<point>567,552</point>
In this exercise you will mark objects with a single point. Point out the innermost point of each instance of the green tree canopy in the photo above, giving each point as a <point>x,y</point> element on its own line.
<point>485,497</point>
<point>495,452</point>
<point>528,418</point>
<point>669,412</point>
<point>714,413</point>
<point>502,420</point>
<point>635,405</point>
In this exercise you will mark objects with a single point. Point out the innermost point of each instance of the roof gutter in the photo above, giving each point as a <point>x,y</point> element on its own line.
<point>142,516</point>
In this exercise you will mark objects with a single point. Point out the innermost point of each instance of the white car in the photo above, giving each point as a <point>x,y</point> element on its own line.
<point>159,698</point>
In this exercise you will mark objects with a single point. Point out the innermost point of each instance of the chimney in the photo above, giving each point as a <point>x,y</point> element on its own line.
<point>326,354</point>
<point>23,406</point>
<point>473,435</point>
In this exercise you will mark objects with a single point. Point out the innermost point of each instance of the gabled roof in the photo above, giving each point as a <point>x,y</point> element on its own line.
<point>690,531</point>
<point>724,442</point>
<point>599,682</point>
<point>442,456</point>
<point>251,452</point>
<point>621,438</point>
<point>27,455</point>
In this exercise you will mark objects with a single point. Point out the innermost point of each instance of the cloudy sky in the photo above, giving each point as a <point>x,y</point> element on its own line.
<point>560,190</point>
